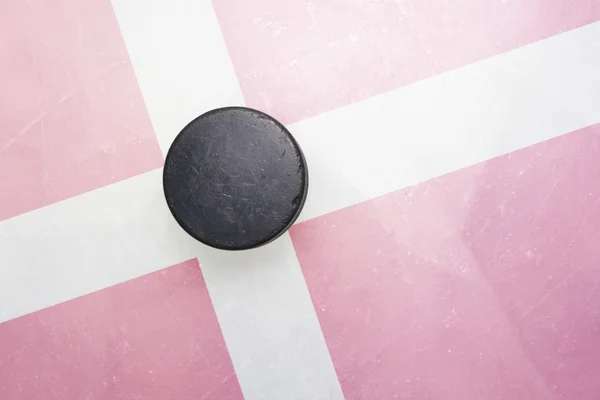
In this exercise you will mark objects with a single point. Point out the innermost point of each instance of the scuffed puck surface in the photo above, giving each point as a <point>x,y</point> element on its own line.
<point>235,178</point>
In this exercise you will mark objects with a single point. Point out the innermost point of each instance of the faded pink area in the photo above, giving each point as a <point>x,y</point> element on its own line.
<point>72,117</point>
<point>481,284</point>
<point>154,338</point>
<point>299,58</point>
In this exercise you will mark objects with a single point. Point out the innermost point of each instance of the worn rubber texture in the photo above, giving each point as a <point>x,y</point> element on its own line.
<point>235,178</point>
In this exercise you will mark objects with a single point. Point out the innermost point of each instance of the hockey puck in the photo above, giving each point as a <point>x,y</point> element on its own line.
<point>235,178</point>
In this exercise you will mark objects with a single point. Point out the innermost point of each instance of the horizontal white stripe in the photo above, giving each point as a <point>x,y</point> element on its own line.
<point>87,243</point>
<point>180,60</point>
<point>451,121</point>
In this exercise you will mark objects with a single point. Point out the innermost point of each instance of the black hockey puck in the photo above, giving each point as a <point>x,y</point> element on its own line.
<point>235,178</point>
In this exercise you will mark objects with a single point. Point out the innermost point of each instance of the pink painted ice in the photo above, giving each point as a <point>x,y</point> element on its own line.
<point>72,117</point>
<point>299,58</point>
<point>481,284</point>
<point>155,338</point>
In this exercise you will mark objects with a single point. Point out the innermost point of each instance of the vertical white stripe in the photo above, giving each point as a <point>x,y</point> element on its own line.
<point>260,297</point>
<point>269,323</point>
<point>180,60</point>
